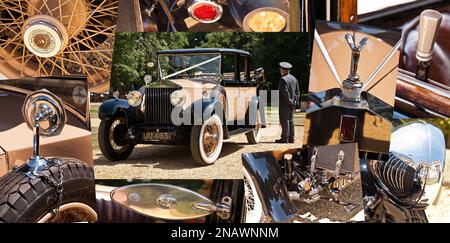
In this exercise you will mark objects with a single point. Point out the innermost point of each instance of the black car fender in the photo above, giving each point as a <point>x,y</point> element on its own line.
<point>270,184</point>
<point>115,107</point>
<point>209,107</point>
<point>253,106</point>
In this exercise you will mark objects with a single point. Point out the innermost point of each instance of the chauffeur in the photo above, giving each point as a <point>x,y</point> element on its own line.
<point>289,98</point>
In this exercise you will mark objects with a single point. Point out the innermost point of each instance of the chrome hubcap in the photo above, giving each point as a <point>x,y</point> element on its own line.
<point>44,36</point>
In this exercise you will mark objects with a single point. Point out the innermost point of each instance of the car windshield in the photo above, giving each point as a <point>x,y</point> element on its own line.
<point>189,66</point>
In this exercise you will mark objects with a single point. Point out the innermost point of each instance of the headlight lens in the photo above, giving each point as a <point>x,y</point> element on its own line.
<point>134,98</point>
<point>266,21</point>
<point>178,98</point>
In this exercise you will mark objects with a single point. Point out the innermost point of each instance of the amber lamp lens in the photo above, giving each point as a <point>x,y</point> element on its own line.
<point>267,21</point>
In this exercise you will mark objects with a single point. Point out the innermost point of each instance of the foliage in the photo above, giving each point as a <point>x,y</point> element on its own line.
<point>133,51</point>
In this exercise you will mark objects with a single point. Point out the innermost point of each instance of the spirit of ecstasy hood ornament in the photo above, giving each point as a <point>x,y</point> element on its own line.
<point>352,86</point>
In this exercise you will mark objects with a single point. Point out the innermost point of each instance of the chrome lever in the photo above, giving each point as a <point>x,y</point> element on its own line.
<point>223,210</point>
<point>430,21</point>
<point>338,168</point>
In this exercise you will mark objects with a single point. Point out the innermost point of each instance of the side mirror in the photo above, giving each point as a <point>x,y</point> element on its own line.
<point>44,110</point>
<point>258,76</point>
<point>169,202</point>
<point>44,113</point>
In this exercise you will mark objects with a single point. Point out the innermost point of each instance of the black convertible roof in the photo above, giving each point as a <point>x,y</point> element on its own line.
<point>204,50</point>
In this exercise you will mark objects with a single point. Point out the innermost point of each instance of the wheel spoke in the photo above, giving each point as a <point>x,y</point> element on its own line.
<point>46,6</point>
<point>88,51</point>
<point>7,8</point>
<point>14,58</point>
<point>89,17</point>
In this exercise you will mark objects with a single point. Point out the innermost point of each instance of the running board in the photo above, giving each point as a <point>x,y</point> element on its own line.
<point>239,131</point>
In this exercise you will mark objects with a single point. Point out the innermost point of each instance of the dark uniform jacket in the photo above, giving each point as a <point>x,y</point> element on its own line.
<point>289,93</point>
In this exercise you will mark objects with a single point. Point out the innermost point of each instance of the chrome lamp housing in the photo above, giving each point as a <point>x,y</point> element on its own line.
<point>44,113</point>
<point>413,174</point>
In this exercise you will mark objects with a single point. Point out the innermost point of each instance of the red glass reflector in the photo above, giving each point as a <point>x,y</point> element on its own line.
<point>348,128</point>
<point>205,12</point>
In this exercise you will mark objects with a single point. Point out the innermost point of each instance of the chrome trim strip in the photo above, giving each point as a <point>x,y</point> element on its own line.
<point>327,57</point>
<point>432,85</point>
<point>381,65</point>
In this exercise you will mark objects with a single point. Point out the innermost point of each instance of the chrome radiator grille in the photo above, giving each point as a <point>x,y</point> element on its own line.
<point>395,174</point>
<point>158,108</point>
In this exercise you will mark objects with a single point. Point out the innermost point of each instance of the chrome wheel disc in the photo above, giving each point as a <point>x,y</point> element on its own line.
<point>116,134</point>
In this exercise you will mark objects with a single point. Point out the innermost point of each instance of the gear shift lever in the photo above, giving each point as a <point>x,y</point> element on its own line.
<point>430,21</point>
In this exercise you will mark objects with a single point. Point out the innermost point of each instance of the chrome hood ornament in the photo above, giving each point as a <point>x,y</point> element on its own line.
<point>352,86</point>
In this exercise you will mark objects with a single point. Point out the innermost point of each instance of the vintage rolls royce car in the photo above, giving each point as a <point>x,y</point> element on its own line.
<point>58,38</point>
<point>213,15</point>
<point>201,97</point>
<point>159,201</point>
<point>42,177</point>
<point>398,184</point>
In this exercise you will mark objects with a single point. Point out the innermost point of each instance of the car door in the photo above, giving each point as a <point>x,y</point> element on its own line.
<point>247,88</point>
<point>231,84</point>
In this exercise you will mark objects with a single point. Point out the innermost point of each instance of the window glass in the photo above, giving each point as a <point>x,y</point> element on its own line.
<point>244,69</point>
<point>229,67</point>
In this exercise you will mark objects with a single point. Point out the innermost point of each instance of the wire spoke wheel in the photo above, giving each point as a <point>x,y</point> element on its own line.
<point>117,134</point>
<point>210,139</point>
<point>71,212</point>
<point>58,38</point>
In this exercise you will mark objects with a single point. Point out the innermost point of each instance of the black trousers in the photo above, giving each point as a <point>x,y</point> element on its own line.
<point>287,123</point>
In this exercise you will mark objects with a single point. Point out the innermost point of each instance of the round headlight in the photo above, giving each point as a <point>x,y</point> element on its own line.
<point>414,171</point>
<point>262,20</point>
<point>177,98</point>
<point>134,98</point>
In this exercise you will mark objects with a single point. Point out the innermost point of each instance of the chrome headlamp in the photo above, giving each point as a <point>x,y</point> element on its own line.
<point>178,98</point>
<point>134,98</point>
<point>414,171</point>
<point>260,16</point>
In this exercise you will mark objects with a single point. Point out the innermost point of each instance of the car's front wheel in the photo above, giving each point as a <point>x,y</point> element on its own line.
<point>207,140</point>
<point>25,199</point>
<point>111,139</point>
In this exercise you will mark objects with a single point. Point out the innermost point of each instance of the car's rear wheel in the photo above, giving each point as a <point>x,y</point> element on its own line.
<point>254,135</point>
<point>252,205</point>
<point>111,139</point>
<point>207,140</point>
<point>24,199</point>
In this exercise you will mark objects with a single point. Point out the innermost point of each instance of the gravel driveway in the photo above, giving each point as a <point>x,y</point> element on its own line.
<point>175,162</point>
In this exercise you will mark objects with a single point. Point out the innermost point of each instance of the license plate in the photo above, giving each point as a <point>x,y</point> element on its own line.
<point>151,136</point>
